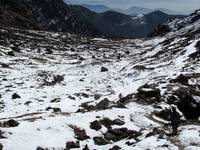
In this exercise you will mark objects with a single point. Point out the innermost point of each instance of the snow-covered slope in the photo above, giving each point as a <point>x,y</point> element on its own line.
<point>181,26</point>
<point>56,88</point>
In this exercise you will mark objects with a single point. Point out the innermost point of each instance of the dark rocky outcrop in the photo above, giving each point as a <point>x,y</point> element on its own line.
<point>182,79</point>
<point>148,94</point>
<point>187,104</point>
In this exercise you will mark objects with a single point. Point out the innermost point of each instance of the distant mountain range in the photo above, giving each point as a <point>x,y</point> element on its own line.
<point>56,15</point>
<point>131,11</point>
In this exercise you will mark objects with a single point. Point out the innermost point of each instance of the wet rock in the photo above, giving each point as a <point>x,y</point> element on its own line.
<point>100,141</point>
<point>148,94</point>
<point>115,148</point>
<point>120,133</point>
<point>118,122</point>
<point>10,123</point>
<point>80,134</point>
<point>95,125</point>
<point>182,79</point>
<point>72,144</point>
<point>104,69</point>
<point>15,96</point>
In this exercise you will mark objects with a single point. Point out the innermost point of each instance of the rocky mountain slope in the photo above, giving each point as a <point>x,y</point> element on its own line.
<point>57,16</point>
<point>61,91</point>
<point>50,15</point>
<point>179,26</point>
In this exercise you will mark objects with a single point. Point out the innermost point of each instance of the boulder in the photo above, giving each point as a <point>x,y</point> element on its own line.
<point>10,53</point>
<point>40,148</point>
<point>120,133</point>
<point>5,65</point>
<point>156,131</point>
<point>182,79</point>
<point>198,45</point>
<point>86,147</point>
<point>164,114</point>
<point>104,69</point>
<point>80,134</point>
<point>104,104</point>
<point>106,122</point>
<point>15,96</point>
<point>10,123</point>
<point>72,144</point>
<point>95,125</point>
<point>100,141</point>
<point>187,104</point>
<point>148,94</point>
<point>115,148</point>
<point>55,109</point>
<point>118,122</point>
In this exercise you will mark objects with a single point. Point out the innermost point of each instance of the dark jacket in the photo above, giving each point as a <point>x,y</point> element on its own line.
<point>175,117</point>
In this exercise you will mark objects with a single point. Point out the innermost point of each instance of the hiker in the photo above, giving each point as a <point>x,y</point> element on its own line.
<point>175,120</point>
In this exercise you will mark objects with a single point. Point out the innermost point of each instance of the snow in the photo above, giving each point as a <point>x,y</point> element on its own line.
<point>39,127</point>
<point>189,137</point>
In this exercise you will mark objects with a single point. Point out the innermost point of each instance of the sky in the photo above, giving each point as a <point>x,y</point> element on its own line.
<point>177,5</point>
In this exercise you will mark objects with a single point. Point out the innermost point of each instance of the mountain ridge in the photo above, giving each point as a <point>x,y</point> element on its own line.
<point>57,16</point>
